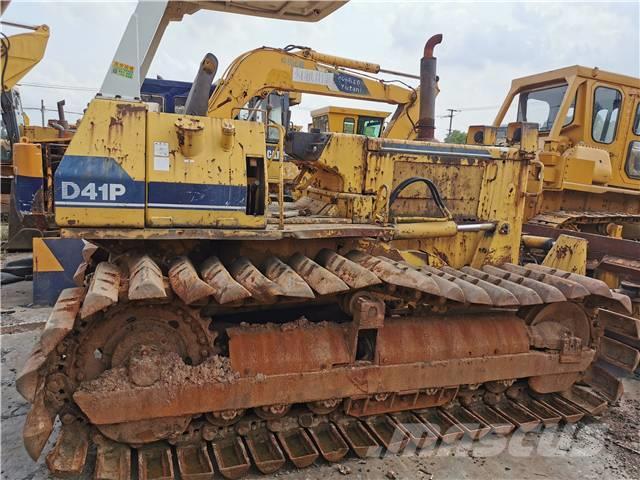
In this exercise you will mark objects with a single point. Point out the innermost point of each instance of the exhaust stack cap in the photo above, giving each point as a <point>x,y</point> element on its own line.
<point>428,88</point>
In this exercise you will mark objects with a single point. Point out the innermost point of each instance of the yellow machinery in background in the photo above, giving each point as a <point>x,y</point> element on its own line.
<point>587,177</point>
<point>30,153</point>
<point>357,121</point>
<point>211,324</point>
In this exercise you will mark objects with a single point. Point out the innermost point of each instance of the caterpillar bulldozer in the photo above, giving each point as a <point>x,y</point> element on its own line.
<point>213,330</point>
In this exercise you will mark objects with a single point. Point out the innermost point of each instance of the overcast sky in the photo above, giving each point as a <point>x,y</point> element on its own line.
<point>486,44</point>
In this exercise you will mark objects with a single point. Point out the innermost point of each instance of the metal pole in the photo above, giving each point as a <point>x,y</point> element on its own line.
<point>42,110</point>
<point>451,111</point>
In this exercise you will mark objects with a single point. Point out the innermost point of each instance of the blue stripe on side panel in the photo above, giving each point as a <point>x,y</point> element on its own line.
<point>195,196</point>
<point>84,181</point>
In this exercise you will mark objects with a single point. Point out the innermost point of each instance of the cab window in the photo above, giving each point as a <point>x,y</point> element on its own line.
<point>321,123</point>
<point>606,108</point>
<point>632,167</point>
<point>636,121</point>
<point>541,106</point>
<point>369,126</point>
<point>348,125</point>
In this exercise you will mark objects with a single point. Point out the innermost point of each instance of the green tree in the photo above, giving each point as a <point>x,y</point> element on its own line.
<point>456,136</point>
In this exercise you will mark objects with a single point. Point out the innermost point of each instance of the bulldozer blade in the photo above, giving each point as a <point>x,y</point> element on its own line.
<point>569,288</point>
<point>145,279</point>
<point>389,273</point>
<point>231,457</point>
<point>472,293</point>
<point>604,382</point>
<point>474,427</point>
<point>494,419</point>
<point>103,289</point>
<point>37,426</point>
<point>287,279</point>
<point>185,281</point>
<point>419,434</point>
<point>586,399</point>
<point>442,425</point>
<point>319,278</point>
<point>517,414</point>
<point>260,287</point>
<point>593,285</point>
<point>298,447</point>
<point>349,272</point>
<point>500,296</point>
<point>548,293</point>
<point>331,445</point>
<point>113,461</point>
<point>155,463</point>
<point>68,456</point>
<point>58,326</point>
<point>225,288</point>
<point>194,462</point>
<point>387,432</point>
<point>359,439</point>
<point>555,403</point>
<point>525,295</point>
<point>265,451</point>
<point>619,354</point>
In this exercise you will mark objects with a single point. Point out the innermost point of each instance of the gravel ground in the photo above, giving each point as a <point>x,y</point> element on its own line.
<point>604,448</point>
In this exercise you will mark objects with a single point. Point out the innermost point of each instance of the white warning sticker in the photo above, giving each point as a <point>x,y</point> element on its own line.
<point>161,156</point>
<point>305,75</point>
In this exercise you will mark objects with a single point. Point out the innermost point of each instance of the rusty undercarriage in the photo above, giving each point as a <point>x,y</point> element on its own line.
<point>378,354</point>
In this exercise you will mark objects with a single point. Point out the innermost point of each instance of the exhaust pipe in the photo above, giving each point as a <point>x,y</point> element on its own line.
<point>428,81</point>
<point>61,120</point>
<point>198,98</point>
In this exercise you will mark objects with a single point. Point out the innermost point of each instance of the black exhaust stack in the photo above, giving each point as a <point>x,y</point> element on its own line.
<point>198,99</point>
<point>428,87</point>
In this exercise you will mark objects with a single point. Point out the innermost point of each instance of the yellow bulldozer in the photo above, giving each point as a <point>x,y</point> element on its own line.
<point>213,329</point>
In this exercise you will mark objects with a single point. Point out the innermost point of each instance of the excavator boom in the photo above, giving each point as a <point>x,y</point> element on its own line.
<point>22,52</point>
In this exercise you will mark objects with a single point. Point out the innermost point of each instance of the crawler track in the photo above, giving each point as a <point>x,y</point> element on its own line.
<point>207,364</point>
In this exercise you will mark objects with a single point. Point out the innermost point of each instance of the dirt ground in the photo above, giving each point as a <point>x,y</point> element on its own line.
<point>604,448</point>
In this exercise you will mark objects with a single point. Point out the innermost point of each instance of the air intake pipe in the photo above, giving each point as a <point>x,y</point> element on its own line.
<point>198,99</point>
<point>428,88</point>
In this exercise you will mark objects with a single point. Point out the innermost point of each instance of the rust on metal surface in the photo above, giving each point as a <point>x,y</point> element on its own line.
<point>298,447</point>
<point>194,462</point>
<point>287,279</point>
<point>58,326</point>
<point>145,279</point>
<point>231,457</point>
<point>472,426</point>
<point>185,281</point>
<point>113,460</point>
<point>619,354</point>
<point>309,347</point>
<point>329,441</point>
<point>604,382</point>
<point>359,439</point>
<point>500,296</point>
<point>319,278</point>
<point>265,451</point>
<point>103,289</point>
<point>472,293</point>
<point>518,415</point>
<point>174,395</point>
<point>37,426</point>
<point>569,288</point>
<point>446,429</point>
<point>225,288</point>
<point>68,456</point>
<point>585,399</point>
<point>155,463</point>
<point>525,295</point>
<point>548,293</point>
<point>408,340</point>
<point>246,274</point>
<point>349,272</point>
<point>393,438</point>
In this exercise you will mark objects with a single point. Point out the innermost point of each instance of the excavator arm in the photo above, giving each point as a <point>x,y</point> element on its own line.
<point>22,52</point>
<point>263,70</point>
